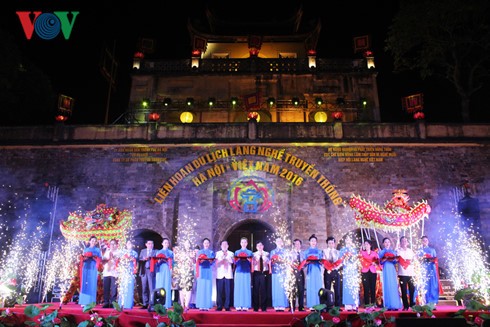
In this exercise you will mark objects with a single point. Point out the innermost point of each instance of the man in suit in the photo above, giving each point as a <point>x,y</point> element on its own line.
<point>299,275</point>
<point>147,276</point>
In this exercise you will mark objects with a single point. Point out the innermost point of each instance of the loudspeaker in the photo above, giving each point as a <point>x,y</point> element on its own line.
<point>326,297</point>
<point>430,322</point>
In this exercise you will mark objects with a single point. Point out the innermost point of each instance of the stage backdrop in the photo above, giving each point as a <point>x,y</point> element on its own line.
<point>213,190</point>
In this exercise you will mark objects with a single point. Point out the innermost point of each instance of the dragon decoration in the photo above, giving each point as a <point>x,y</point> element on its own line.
<point>396,215</point>
<point>104,222</point>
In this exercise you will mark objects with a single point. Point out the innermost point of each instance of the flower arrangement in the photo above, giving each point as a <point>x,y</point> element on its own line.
<point>99,321</point>
<point>175,316</point>
<point>45,319</point>
<point>474,305</point>
<point>371,317</point>
<point>418,115</point>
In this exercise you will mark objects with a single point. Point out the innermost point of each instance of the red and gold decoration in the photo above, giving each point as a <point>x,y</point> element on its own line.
<point>103,222</point>
<point>395,216</point>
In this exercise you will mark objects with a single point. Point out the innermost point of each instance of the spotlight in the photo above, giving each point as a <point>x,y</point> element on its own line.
<point>295,101</point>
<point>157,297</point>
<point>318,101</point>
<point>211,102</point>
<point>189,101</point>
<point>364,102</point>
<point>234,101</point>
<point>271,101</point>
<point>327,298</point>
<point>167,102</point>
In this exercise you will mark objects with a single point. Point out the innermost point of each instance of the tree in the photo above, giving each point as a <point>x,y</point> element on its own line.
<point>26,94</point>
<point>448,38</point>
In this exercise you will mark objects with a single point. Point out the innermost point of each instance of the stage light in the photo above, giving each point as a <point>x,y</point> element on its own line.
<point>271,101</point>
<point>211,102</point>
<point>157,297</point>
<point>167,102</point>
<point>189,102</point>
<point>234,101</point>
<point>340,101</point>
<point>295,101</point>
<point>327,298</point>
<point>364,103</point>
<point>145,103</point>
<point>318,101</point>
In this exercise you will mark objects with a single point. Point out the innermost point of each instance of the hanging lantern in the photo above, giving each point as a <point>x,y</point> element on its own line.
<point>320,116</point>
<point>154,116</point>
<point>419,115</point>
<point>337,115</point>
<point>186,117</point>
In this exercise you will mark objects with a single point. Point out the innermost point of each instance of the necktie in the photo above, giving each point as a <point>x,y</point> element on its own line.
<point>330,256</point>
<point>261,264</point>
<point>297,257</point>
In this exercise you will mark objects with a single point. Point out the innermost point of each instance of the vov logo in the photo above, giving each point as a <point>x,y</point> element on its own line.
<point>47,25</point>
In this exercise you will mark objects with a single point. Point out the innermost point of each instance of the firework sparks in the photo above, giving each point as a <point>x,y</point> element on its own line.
<point>62,266</point>
<point>288,278</point>
<point>467,261</point>
<point>183,271</point>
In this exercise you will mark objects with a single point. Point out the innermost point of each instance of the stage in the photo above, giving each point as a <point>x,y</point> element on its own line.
<point>138,317</point>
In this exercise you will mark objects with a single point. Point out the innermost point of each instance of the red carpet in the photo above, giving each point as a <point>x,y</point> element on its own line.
<point>139,317</point>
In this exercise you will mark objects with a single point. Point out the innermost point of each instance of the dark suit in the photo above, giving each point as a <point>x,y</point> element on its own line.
<point>300,280</point>
<point>147,277</point>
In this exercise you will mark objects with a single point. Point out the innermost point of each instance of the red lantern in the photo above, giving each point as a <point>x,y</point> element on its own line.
<point>61,118</point>
<point>418,115</point>
<point>154,116</point>
<point>196,53</point>
<point>312,52</point>
<point>139,54</point>
<point>337,115</point>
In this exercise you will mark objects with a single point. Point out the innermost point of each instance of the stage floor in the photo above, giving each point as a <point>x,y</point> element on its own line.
<point>140,317</point>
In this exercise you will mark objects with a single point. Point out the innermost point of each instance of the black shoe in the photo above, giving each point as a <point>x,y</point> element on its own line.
<point>265,309</point>
<point>145,306</point>
<point>227,309</point>
<point>301,309</point>
<point>106,305</point>
<point>256,310</point>
<point>219,309</point>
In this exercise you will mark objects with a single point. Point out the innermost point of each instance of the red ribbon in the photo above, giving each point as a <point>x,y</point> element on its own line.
<point>160,256</point>
<point>329,266</point>
<point>404,263</point>
<point>202,257</point>
<point>367,262</point>
<point>307,261</point>
<point>244,255</point>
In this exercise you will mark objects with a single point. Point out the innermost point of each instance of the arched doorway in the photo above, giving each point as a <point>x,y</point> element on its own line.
<point>141,235</point>
<point>253,230</point>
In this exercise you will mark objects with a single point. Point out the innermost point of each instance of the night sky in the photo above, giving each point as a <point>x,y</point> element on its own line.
<point>73,65</point>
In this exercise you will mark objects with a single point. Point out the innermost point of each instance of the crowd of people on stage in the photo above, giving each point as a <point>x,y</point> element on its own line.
<point>257,279</point>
